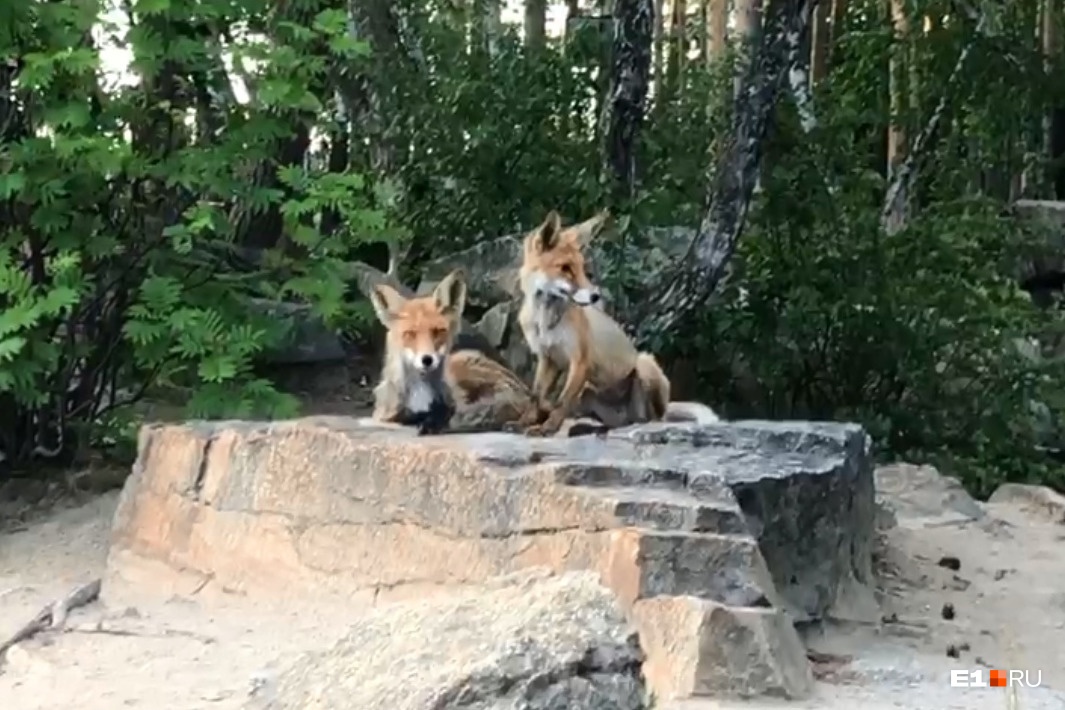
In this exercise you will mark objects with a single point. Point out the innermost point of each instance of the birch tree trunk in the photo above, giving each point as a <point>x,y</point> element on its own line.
<point>787,24</point>
<point>625,104</point>
<point>658,40</point>
<point>896,209</point>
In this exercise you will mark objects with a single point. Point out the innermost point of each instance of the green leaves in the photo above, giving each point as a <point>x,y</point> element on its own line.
<point>151,7</point>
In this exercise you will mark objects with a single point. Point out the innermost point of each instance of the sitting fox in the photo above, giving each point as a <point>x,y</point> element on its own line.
<point>424,383</point>
<point>605,376</point>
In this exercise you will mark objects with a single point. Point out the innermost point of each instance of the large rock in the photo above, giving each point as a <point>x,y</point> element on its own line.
<point>533,643</point>
<point>492,266</point>
<point>714,539</point>
<point>1042,273</point>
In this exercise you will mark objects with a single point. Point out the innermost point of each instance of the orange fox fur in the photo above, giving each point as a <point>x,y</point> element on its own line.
<point>427,385</point>
<point>605,375</point>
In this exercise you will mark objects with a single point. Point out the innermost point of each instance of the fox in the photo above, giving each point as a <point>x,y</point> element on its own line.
<point>566,328</point>
<point>425,382</point>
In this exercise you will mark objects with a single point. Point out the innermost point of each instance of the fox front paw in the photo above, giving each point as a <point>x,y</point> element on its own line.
<point>550,427</point>
<point>437,419</point>
<point>529,419</point>
<point>429,427</point>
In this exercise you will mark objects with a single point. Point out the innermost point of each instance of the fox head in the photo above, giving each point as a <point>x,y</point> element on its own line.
<point>553,260</point>
<point>421,330</point>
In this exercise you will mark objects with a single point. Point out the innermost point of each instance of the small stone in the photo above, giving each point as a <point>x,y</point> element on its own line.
<point>948,611</point>
<point>950,562</point>
<point>957,583</point>
<point>953,651</point>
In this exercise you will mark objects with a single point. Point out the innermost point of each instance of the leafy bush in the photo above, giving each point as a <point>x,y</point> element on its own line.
<point>115,271</point>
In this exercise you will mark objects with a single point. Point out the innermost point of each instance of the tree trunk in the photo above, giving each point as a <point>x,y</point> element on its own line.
<point>736,171</point>
<point>821,46</point>
<point>623,110</point>
<point>573,10</point>
<point>718,27</point>
<point>535,23</point>
<point>658,39</point>
<point>704,32</point>
<point>748,19</point>
<point>1055,122</point>
<point>839,15</point>
<point>485,25</point>
<point>678,46</point>
<point>897,143</point>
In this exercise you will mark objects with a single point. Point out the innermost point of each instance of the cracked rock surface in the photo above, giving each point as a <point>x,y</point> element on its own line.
<point>532,642</point>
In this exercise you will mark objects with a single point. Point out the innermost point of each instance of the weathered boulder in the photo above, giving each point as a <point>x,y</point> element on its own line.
<point>1041,500</point>
<point>922,496</point>
<point>1042,273</point>
<point>529,642</point>
<point>714,539</point>
<point>492,265</point>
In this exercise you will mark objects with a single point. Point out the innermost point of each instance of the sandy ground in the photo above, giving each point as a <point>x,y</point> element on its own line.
<point>138,649</point>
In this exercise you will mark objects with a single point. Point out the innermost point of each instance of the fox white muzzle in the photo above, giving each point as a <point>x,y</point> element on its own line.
<point>423,361</point>
<point>586,296</point>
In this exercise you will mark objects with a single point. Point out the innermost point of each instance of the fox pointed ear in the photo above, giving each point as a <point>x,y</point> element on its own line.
<point>386,303</point>
<point>546,235</point>
<point>450,293</point>
<point>589,229</point>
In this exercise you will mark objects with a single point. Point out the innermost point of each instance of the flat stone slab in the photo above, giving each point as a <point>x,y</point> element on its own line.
<point>760,524</point>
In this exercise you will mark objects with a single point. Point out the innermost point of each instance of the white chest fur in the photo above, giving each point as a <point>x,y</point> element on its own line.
<point>550,335</point>
<point>419,396</point>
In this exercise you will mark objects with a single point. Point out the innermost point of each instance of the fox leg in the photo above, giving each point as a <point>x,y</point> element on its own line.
<point>547,375</point>
<point>437,418</point>
<point>387,402</point>
<point>576,379</point>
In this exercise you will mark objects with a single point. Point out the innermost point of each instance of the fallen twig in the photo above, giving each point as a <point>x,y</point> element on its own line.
<point>165,633</point>
<point>54,615</point>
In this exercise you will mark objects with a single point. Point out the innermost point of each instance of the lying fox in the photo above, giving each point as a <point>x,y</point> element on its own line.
<point>424,383</point>
<point>605,376</point>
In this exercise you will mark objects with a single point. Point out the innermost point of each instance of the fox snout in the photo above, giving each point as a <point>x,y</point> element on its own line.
<point>561,288</point>
<point>424,361</point>
<point>586,296</point>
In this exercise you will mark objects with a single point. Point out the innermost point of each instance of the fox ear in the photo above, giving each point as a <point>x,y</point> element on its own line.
<point>546,235</point>
<point>386,303</point>
<point>589,229</point>
<point>450,293</point>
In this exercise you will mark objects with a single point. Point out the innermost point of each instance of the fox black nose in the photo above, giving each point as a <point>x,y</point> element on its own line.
<point>427,361</point>
<point>594,298</point>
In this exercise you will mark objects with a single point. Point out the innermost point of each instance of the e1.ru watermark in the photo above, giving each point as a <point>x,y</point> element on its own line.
<point>996,679</point>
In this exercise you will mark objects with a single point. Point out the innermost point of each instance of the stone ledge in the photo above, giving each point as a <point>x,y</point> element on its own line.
<point>745,526</point>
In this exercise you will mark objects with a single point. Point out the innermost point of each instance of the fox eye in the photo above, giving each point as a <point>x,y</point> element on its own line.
<point>567,270</point>
<point>438,333</point>
<point>408,335</point>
